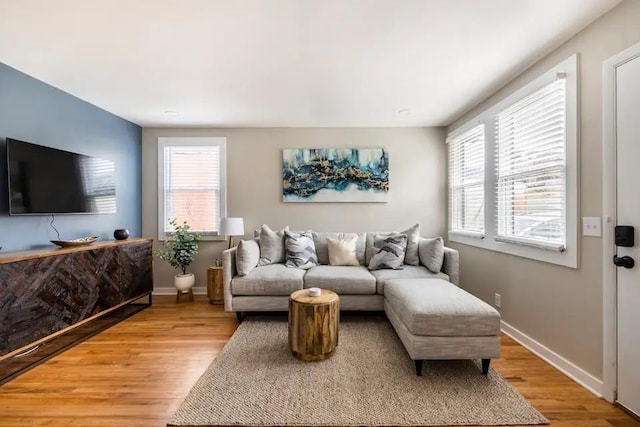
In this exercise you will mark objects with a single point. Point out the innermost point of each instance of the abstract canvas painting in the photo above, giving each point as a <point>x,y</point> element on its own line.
<point>335,175</point>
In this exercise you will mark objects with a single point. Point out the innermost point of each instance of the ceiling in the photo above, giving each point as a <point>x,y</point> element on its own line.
<point>285,62</point>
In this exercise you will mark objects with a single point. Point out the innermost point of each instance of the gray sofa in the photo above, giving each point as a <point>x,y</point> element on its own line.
<point>433,317</point>
<point>267,288</point>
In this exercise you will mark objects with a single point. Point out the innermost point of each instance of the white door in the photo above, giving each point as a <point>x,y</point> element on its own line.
<point>628,213</point>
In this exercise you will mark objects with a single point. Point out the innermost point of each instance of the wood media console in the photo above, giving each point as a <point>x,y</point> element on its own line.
<point>53,299</point>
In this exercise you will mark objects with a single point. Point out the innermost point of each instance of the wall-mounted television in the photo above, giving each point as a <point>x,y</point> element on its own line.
<point>44,180</point>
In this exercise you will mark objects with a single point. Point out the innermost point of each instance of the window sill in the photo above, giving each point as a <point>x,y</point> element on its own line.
<point>203,238</point>
<point>466,234</point>
<point>568,258</point>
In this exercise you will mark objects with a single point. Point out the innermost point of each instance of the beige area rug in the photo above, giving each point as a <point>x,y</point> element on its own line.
<point>370,380</point>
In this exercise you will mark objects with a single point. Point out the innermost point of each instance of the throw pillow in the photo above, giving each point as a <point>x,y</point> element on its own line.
<point>247,256</point>
<point>271,246</point>
<point>389,251</point>
<point>432,253</point>
<point>301,252</point>
<point>343,251</point>
<point>411,257</point>
<point>320,240</point>
<point>413,239</point>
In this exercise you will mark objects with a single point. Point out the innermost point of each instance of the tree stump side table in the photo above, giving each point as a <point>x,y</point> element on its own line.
<point>214,285</point>
<point>313,324</point>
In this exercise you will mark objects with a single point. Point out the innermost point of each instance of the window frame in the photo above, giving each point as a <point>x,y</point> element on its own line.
<point>163,142</point>
<point>569,257</point>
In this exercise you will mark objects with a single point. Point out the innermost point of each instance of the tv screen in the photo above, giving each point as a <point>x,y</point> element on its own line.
<point>44,180</point>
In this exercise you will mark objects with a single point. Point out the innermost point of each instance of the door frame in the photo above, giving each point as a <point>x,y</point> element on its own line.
<point>609,206</point>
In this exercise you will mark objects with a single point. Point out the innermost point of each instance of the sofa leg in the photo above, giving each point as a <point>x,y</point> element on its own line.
<point>419,367</point>
<point>239,316</point>
<point>485,366</point>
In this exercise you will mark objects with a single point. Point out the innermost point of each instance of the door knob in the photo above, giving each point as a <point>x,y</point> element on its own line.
<point>625,261</point>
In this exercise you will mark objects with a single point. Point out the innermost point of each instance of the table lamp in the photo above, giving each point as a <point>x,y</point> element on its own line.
<point>231,227</point>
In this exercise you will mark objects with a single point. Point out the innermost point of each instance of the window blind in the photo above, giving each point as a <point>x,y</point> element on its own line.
<point>99,185</point>
<point>531,169</point>
<point>466,182</point>
<point>192,182</point>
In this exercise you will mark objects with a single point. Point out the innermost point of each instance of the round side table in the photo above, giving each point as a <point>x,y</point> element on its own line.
<point>313,324</point>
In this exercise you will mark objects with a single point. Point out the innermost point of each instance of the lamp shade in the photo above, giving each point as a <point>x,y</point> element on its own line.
<point>231,226</point>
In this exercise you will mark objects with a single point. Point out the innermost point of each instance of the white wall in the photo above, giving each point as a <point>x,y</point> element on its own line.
<point>557,306</point>
<point>254,175</point>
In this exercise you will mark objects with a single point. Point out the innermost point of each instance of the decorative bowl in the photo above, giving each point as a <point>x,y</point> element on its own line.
<point>82,241</point>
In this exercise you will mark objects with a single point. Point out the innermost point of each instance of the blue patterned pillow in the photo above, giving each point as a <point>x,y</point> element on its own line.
<point>300,250</point>
<point>388,252</point>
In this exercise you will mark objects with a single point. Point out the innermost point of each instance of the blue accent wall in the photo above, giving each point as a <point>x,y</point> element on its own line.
<point>36,112</point>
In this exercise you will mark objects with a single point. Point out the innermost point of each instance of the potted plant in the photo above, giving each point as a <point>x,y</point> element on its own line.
<point>179,252</point>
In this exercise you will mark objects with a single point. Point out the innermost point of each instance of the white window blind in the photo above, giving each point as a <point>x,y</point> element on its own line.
<point>466,182</point>
<point>99,184</point>
<point>531,169</point>
<point>192,185</point>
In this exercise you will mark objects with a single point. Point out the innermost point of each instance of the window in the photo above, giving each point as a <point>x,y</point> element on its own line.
<point>466,182</point>
<point>531,168</point>
<point>529,187</point>
<point>191,184</point>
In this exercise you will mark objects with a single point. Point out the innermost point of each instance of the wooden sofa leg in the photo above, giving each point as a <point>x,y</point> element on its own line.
<point>419,367</point>
<point>485,366</point>
<point>239,316</point>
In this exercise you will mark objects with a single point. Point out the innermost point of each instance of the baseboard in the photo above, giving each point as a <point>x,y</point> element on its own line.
<point>170,290</point>
<point>573,371</point>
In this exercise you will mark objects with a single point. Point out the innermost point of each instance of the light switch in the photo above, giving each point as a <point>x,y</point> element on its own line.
<point>591,226</point>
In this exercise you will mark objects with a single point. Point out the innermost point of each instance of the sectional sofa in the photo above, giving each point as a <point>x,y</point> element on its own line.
<point>432,316</point>
<point>267,288</point>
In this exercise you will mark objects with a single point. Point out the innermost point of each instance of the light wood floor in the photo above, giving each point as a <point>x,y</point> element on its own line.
<point>138,372</point>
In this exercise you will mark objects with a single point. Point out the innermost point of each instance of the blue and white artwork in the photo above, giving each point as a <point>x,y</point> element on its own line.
<point>335,175</point>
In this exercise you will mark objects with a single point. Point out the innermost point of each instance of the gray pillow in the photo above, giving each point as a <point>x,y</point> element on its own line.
<point>301,252</point>
<point>432,253</point>
<point>389,252</point>
<point>413,239</point>
<point>247,256</point>
<point>271,246</point>
<point>320,240</point>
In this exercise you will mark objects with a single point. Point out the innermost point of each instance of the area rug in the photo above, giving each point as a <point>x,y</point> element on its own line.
<point>370,380</point>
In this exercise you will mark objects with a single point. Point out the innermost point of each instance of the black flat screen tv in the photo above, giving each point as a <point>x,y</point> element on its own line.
<point>44,180</point>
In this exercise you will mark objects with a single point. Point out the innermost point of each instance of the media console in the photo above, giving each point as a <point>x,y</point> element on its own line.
<point>52,299</point>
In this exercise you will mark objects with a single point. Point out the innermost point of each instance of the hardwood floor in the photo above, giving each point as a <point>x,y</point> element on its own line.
<point>138,372</point>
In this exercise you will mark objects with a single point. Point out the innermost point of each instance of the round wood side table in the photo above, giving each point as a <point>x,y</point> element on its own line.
<point>313,324</point>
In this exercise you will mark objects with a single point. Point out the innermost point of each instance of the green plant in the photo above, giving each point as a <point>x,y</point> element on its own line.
<point>182,248</point>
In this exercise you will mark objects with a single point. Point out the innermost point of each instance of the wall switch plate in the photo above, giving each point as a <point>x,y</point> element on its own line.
<point>591,226</point>
<point>497,300</point>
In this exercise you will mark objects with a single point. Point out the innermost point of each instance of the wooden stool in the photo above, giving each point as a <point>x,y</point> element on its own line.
<point>313,324</point>
<point>189,293</point>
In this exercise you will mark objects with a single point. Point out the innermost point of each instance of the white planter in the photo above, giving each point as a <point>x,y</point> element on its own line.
<point>184,282</point>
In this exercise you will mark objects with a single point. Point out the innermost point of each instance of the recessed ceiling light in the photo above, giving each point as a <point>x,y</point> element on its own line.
<point>404,112</point>
<point>171,113</point>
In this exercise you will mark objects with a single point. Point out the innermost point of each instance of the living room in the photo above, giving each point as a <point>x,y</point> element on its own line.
<point>113,80</point>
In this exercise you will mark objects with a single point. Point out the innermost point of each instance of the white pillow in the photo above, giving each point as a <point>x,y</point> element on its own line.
<point>247,256</point>
<point>342,251</point>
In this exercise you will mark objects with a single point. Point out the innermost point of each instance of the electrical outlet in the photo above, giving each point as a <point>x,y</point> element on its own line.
<point>497,300</point>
